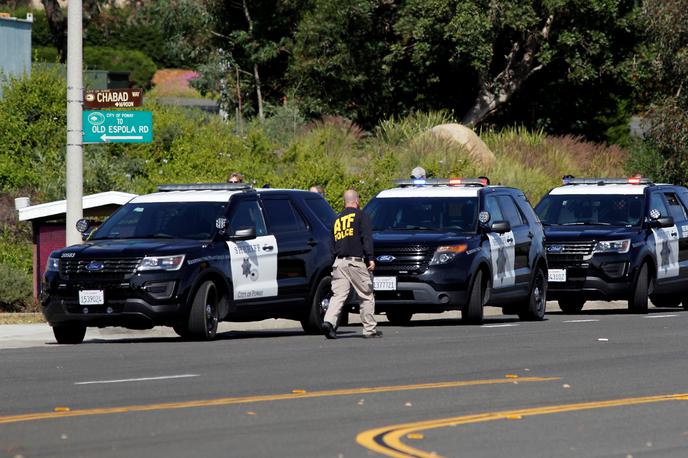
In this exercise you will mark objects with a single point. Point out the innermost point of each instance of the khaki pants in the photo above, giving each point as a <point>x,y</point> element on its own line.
<point>345,274</point>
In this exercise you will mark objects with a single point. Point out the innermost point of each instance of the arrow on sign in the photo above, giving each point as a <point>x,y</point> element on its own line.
<point>106,138</point>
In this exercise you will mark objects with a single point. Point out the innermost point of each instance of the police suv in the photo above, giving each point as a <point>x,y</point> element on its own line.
<point>616,239</point>
<point>456,244</point>
<point>189,256</point>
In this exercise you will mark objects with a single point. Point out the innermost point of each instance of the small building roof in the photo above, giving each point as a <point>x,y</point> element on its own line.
<point>93,202</point>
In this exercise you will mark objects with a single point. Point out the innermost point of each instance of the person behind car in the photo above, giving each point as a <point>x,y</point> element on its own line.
<point>353,249</point>
<point>418,173</point>
<point>318,188</point>
<point>235,177</point>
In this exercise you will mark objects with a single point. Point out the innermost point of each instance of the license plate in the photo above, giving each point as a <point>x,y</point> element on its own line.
<point>91,297</point>
<point>557,275</point>
<point>385,283</point>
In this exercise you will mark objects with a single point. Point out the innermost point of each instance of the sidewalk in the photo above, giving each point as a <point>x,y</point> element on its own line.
<point>41,335</point>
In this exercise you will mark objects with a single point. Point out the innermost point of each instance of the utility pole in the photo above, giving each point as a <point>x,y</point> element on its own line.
<point>75,94</point>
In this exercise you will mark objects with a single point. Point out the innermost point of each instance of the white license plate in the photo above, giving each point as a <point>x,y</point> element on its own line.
<point>385,283</point>
<point>91,297</point>
<point>557,275</point>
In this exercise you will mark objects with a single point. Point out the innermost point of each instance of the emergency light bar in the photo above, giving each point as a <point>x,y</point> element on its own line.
<point>636,179</point>
<point>205,187</point>
<point>441,182</point>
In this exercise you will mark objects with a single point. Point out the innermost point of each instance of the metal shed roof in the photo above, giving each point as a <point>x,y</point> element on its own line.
<point>59,207</point>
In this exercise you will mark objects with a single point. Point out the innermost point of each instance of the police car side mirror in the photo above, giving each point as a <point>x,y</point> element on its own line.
<point>662,222</point>
<point>500,227</point>
<point>245,233</point>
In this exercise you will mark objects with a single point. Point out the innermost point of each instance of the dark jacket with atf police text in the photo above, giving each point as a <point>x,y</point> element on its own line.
<point>353,235</point>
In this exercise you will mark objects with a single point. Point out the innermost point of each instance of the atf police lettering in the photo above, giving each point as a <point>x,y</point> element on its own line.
<point>343,226</point>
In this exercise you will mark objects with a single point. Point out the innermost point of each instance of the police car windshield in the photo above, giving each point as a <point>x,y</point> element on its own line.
<point>162,220</point>
<point>594,210</point>
<point>454,214</point>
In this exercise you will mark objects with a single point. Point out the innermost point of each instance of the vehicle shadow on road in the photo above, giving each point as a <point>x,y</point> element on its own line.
<point>618,311</point>
<point>439,322</point>
<point>228,335</point>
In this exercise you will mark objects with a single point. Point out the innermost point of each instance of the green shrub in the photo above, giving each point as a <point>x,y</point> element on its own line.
<point>141,66</point>
<point>16,289</point>
<point>46,54</point>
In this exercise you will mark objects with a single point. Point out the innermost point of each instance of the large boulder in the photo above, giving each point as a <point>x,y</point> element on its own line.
<point>464,136</point>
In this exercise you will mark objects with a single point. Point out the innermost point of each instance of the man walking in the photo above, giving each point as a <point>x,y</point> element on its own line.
<point>353,266</point>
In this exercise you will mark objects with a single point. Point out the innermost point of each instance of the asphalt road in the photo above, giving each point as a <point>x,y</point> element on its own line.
<point>598,384</point>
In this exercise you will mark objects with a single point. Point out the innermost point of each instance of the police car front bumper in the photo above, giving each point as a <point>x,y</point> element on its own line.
<point>421,297</point>
<point>602,277</point>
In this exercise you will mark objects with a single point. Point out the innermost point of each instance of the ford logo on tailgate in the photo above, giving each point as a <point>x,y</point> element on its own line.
<point>94,266</point>
<point>386,258</point>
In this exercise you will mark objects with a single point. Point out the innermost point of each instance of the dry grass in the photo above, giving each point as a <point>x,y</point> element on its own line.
<point>21,318</point>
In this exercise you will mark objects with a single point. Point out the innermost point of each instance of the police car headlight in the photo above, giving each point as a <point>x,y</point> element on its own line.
<point>445,254</point>
<point>613,246</point>
<point>161,262</point>
<point>53,265</point>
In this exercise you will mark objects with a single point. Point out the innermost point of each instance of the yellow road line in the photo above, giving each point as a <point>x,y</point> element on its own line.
<point>297,394</point>
<point>387,440</point>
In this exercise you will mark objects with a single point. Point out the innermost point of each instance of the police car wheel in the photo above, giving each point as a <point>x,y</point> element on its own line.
<point>312,323</point>
<point>473,312</point>
<point>182,329</point>
<point>399,317</point>
<point>637,303</point>
<point>69,333</point>
<point>537,300</point>
<point>572,305</point>
<point>203,317</point>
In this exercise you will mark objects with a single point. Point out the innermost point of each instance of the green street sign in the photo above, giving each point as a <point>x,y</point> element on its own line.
<point>118,126</point>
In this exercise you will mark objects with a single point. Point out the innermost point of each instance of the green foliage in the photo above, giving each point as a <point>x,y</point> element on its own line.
<point>142,68</point>
<point>15,289</point>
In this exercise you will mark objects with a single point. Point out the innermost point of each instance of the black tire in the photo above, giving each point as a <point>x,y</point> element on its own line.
<point>399,317</point>
<point>203,316</point>
<point>534,309</point>
<point>571,305</point>
<point>668,300</point>
<point>312,323</point>
<point>637,303</point>
<point>182,329</point>
<point>473,312</point>
<point>69,333</point>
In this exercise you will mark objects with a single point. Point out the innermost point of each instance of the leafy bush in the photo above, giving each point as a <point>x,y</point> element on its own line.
<point>141,66</point>
<point>47,54</point>
<point>15,289</point>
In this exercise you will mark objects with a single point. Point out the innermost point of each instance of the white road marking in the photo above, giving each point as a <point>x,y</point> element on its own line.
<point>660,316</point>
<point>580,321</point>
<point>143,379</point>
<point>499,325</point>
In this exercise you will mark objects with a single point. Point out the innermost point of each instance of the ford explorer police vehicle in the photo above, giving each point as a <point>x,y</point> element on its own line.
<point>189,256</point>
<point>616,239</point>
<point>456,244</point>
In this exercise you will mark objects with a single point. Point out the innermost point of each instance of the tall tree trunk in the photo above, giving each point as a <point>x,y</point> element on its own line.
<point>57,22</point>
<point>520,65</point>
<point>256,75</point>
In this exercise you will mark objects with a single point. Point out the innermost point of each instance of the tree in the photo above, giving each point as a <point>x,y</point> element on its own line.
<point>57,21</point>
<point>469,56</point>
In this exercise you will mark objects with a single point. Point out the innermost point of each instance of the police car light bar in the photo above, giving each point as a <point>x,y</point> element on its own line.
<point>204,187</point>
<point>636,179</point>
<point>441,182</point>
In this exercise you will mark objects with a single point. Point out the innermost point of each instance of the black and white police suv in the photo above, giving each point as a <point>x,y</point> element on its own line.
<point>616,239</point>
<point>189,256</point>
<point>456,244</point>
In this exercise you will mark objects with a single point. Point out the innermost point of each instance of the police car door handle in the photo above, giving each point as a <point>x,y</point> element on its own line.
<point>268,247</point>
<point>509,240</point>
<point>530,235</point>
<point>312,242</point>
<point>674,234</point>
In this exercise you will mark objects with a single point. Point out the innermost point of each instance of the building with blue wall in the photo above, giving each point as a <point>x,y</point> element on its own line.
<point>15,46</point>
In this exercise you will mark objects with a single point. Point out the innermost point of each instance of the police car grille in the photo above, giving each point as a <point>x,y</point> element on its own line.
<point>410,258</point>
<point>569,251</point>
<point>112,268</point>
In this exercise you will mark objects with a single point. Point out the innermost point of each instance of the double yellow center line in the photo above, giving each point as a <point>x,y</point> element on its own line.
<point>295,394</point>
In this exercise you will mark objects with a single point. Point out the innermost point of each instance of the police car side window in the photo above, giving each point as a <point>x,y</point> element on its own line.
<point>676,209</point>
<point>656,202</point>
<point>510,212</point>
<point>492,207</point>
<point>283,217</point>
<point>247,214</point>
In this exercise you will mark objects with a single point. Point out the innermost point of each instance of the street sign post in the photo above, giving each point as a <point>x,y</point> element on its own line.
<point>113,98</point>
<point>118,127</point>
